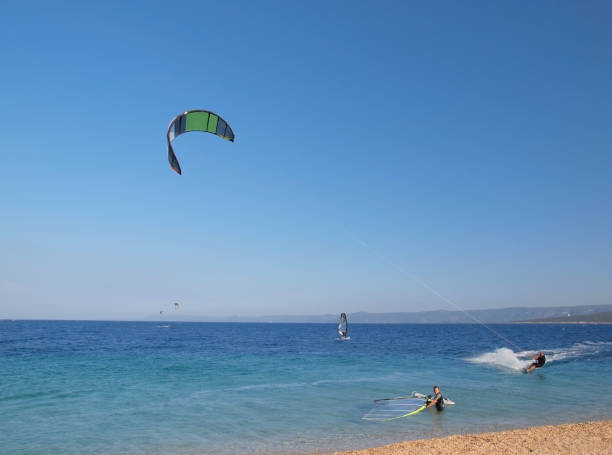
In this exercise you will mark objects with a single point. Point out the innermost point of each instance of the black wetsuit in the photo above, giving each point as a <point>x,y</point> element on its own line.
<point>440,402</point>
<point>540,361</point>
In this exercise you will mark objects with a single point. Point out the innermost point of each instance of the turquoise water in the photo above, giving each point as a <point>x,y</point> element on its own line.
<point>197,388</point>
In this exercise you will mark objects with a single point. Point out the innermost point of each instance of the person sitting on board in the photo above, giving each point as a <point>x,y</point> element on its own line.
<point>437,400</point>
<point>540,360</point>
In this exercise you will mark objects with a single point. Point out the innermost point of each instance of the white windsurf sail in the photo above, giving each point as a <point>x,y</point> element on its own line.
<point>343,326</point>
<point>394,408</point>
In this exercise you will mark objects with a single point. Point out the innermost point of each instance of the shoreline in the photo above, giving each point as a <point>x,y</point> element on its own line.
<point>564,322</point>
<point>593,437</point>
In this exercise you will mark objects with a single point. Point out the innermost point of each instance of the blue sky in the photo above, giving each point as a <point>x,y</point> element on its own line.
<point>466,142</point>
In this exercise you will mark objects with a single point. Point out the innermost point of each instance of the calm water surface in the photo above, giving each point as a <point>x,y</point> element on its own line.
<point>200,388</point>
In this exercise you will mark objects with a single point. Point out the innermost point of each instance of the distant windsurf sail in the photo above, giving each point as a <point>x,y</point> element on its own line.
<point>394,408</point>
<point>343,326</point>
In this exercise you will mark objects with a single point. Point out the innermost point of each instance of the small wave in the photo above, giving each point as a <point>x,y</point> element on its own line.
<point>26,396</point>
<point>264,386</point>
<point>507,358</point>
<point>289,385</point>
<point>354,380</point>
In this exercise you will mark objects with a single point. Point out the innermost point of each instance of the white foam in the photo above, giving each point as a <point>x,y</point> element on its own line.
<point>502,357</point>
<point>582,349</point>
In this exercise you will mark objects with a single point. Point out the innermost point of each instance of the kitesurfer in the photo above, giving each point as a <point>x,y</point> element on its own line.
<point>540,360</point>
<point>437,400</point>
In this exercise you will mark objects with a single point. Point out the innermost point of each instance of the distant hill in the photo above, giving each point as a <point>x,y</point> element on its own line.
<point>492,316</point>
<point>604,317</point>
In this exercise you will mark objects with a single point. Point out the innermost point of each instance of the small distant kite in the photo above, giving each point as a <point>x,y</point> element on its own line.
<point>175,305</point>
<point>195,120</point>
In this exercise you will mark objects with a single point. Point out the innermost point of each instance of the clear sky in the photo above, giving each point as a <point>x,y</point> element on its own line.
<point>468,143</point>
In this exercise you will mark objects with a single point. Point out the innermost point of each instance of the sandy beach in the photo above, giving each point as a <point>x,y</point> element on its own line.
<point>574,438</point>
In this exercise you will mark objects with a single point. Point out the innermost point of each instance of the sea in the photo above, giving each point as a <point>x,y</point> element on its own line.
<point>181,388</point>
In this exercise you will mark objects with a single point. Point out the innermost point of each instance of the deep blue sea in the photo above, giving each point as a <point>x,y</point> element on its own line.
<point>71,387</point>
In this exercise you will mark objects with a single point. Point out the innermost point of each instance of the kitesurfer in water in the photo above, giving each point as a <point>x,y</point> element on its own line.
<point>437,400</point>
<point>540,360</point>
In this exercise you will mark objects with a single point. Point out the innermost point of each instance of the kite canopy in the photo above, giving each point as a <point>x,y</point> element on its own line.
<point>195,120</point>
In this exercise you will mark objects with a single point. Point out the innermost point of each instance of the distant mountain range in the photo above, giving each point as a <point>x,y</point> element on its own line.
<point>604,317</point>
<point>500,315</point>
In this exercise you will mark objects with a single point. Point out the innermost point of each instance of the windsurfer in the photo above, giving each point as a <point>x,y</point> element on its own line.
<point>343,327</point>
<point>437,400</point>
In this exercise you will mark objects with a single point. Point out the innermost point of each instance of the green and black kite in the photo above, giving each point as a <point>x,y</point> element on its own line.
<point>195,120</point>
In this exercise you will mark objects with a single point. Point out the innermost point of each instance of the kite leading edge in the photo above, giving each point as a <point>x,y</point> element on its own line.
<point>195,120</point>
